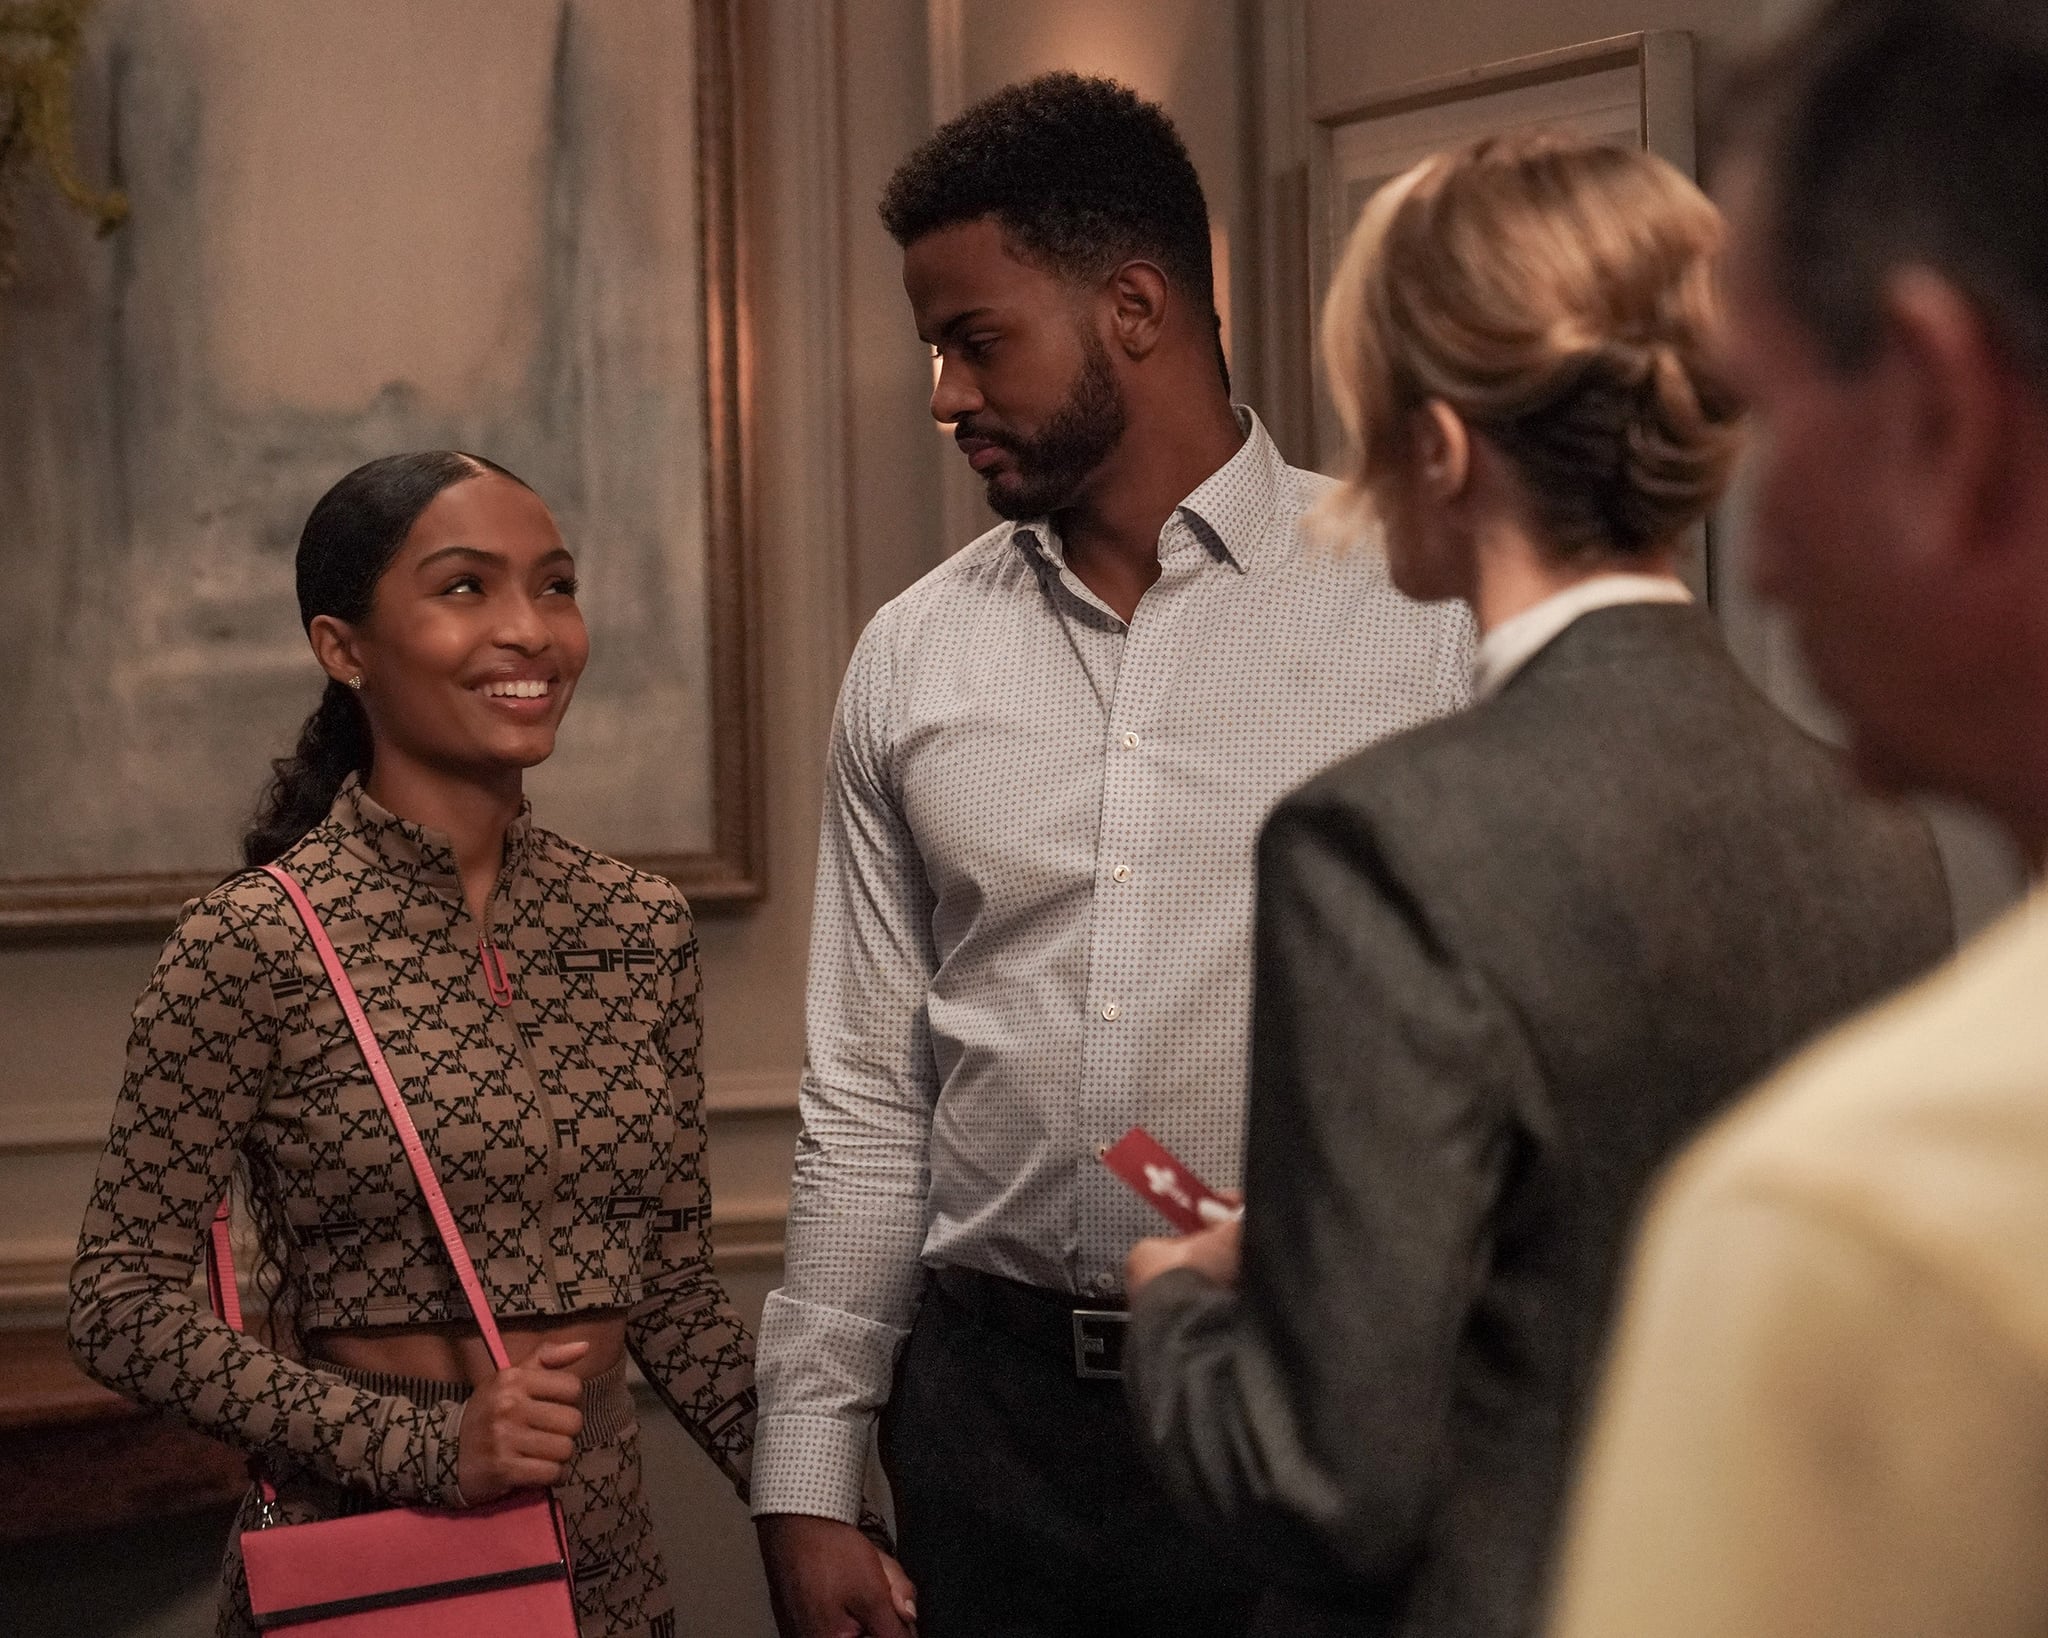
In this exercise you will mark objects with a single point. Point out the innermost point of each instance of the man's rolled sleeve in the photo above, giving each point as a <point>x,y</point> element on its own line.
<point>824,1363</point>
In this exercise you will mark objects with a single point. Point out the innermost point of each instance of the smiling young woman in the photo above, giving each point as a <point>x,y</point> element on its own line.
<point>537,1004</point>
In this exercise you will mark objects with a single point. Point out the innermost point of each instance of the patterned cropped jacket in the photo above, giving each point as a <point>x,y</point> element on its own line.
<point>549,1059</point>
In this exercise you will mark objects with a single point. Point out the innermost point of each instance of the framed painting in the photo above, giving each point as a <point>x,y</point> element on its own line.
<point>505,226</point>
<point>1633,90</point>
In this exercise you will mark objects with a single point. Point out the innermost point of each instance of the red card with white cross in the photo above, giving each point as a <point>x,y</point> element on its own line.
<point>1176,1193</point>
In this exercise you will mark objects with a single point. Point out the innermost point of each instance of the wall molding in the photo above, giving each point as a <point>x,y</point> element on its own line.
<point>963,510</point>
<point>751,1092</point>
<point>744,1109</point>
<point>1280,373</point>
<point>746,1241</point>
<point>35,1274</point>
<point>60,1128</point>
<point>35,1280</point>
<point>945,33</point>
<point>52,1128</point>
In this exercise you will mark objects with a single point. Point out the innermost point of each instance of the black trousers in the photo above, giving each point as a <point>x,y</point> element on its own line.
<point>1024,1508</point>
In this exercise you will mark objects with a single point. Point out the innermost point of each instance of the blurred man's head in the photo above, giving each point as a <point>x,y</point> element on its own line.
<point>1055,244</point>
<point>1885,174</point>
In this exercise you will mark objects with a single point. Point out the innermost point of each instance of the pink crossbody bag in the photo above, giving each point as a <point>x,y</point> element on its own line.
<point>403,1572</point>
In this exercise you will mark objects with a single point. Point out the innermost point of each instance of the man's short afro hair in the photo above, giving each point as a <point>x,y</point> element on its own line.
<point>1081,172</point>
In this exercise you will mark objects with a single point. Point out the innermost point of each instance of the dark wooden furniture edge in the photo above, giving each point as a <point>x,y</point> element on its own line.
<point>75,1456</point>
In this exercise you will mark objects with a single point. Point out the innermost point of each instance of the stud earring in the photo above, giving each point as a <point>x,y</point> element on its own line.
<point>356,682</point>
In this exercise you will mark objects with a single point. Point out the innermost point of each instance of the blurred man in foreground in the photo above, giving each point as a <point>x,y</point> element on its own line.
<point>1828,1409</point>
<point>1033,923</point>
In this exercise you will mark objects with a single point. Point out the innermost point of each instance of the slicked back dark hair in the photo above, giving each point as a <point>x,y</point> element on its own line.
<point>350,539</point>
<point>1896,133</point>
<point>1082,174</point>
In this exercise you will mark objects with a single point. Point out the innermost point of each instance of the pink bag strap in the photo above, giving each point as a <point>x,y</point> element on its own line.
<point>221,1270</point>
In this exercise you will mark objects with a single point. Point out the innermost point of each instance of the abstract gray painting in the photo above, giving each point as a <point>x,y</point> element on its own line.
<point>360,228</point>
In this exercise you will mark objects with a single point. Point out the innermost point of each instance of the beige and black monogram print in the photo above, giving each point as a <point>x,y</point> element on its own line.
<point>564,1121</point>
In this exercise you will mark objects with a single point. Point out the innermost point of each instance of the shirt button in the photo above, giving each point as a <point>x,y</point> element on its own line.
<point>1122,873</point>
<point>1130,742</point>
<point>1102,1284</point>
<point>1112,1012</point>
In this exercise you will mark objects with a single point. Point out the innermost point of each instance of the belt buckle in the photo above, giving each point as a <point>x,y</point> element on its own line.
<point>1099,1343</point>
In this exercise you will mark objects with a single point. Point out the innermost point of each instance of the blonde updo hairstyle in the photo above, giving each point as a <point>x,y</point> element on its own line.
<point>1559,296</point>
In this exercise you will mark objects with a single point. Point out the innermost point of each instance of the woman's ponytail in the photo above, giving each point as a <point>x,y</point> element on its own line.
<point>334,743</point>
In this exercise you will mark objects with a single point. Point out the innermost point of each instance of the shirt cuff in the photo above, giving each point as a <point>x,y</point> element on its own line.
<point>810,1464</point>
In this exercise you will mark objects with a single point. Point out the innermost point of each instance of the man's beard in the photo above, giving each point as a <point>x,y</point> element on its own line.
<point>1050,468</point>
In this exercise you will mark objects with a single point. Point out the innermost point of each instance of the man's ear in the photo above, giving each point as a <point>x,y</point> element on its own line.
<point>1947,395</point>
<point>1137,311</point>
<point>335,647</point>
<point>1443,450</point>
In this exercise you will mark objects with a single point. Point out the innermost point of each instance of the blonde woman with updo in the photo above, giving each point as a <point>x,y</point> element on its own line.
<point>1509,961</point>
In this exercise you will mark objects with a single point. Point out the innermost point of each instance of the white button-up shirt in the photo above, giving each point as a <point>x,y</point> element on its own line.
<point>1033,925</point>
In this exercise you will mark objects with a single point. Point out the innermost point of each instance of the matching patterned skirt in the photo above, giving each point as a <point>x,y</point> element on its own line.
<point>621,1586</point>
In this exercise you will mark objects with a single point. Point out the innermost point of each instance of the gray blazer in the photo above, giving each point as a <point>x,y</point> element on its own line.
<point>1507,963</point>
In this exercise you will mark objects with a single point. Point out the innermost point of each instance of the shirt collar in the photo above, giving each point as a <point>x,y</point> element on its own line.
<point>1231,510</point>
<point>1235,504</point>
<point>1512,644</point>
<point>377,836</point>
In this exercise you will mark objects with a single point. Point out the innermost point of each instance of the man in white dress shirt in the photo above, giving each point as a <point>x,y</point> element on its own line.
<point>1033,919</point>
